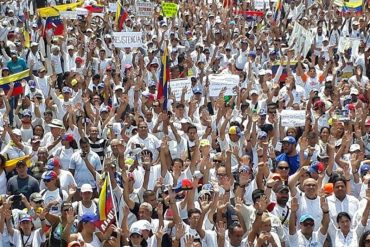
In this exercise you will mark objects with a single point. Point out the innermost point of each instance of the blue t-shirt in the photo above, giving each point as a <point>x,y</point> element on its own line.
<point>17,66</point>
<point>293,162</point>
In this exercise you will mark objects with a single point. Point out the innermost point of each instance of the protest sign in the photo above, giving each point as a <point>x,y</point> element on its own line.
<point>72,15</point>
<point>169,9</point>
<point>292,118</point>
<point>177,86</point>
<point>347,42</point>
<point>220,81</point>
<point>144,9</point>
<point>127,39</point>
<point>301,39</point>
<point>113,7</point>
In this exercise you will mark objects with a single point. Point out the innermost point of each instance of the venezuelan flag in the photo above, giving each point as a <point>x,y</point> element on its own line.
<point>284,74</point>
<point>105,200</point>
<point>56,23</point>
<point>54,10</point>
<point>95,8</point>
<point>354,6</point>
<point>164,78</point>
<point>278,9</point>
<point>13,162</point>
<point>17,80</point>
<point>121,16</point>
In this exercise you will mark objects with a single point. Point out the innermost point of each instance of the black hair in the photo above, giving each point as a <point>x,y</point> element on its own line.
<point>193,211</point>
<point>84,140</point>
<point>339,179</point>
<point>257,194</point>
<point>343,215</point>
<point>233,226</point>
<point>363,238</point>
<point>178,160</point>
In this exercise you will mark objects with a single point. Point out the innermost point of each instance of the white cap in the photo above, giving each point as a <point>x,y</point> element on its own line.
<point>354,91</point>
<point>253,91</point>
<point>86,188</point>
<point>17,132</point>
<point>354,147</point>
<point>70,47</point>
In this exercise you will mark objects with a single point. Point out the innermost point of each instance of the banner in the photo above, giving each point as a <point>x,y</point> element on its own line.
<point>293,118</point>
<point>301,39</point>
<point>13,162</point>
<point>107,214</point>
<point>72,15</point>
<point>54,11</point>
<point>347,42</point>
<point>144,9</point>
<point>220,81</point>
<point>164,78</point>
<point>127,39</point>
<point>353,6</point>
<point>169,9</point>
<point>177,87</point>
<point>284,74</point>
<point>17,80</point>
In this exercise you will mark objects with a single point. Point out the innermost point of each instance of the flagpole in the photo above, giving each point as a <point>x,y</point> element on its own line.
<point>114,203</point>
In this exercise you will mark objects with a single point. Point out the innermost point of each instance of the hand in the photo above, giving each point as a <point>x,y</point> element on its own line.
<point>294,204</point>
<point>189,240</point>
<point>221,229</point>
<point>303,143</point>
<point>238,203</point>
<point>180,231</point>
<point>160,209</point>
<point>261,205</point>
<point>72,189</point>
<point>324,204</point>
<point>147,162</point>
<point>159,234</point>
<point>70,216</point>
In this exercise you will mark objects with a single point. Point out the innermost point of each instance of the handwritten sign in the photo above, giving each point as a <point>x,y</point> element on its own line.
<point>144,9</point>
<point>301,39</point>
<point>346,42</point>
<point>220,81</point>
<point>292,118</point>
<point>72,15</point>
<point>127,39</point>
<point>169,9</point>
<point>177,86</point>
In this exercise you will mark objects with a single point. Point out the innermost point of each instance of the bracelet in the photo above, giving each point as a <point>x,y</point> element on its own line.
<point>325,212</point>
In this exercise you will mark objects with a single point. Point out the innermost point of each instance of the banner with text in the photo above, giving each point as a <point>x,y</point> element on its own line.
<point>177,87</point>
<point>220,81</point>
<point>128,39</point>
<point>292,118</point>
<point>169,9</point>
<point>144,9</point>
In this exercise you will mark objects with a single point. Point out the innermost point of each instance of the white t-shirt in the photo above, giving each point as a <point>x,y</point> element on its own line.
<point>49,196</point>
<point>299,240</point>
<point>35,239</point>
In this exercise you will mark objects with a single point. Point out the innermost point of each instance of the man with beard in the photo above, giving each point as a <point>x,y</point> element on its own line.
<point>282,209</point>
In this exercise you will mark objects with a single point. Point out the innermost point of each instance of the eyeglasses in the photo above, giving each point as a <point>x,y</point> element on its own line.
<point>283,168</point>
<point>309,223</point>
<point>46,180</point>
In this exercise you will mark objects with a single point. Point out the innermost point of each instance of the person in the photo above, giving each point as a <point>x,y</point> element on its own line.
<point>365,239</point>
<point>290,154</point>
<point>87,233</point>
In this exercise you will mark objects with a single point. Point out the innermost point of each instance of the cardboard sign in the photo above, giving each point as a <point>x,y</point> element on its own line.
<point>127,39</point>
<point>220,81</point>
<point>144,9</point>
<point>177,86</point>
<point>292,118</point>
<point>72,15</point>
<point>169,9</point>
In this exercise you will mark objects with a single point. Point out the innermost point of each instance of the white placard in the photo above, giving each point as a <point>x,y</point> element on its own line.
<point>128,39</point>
<point>259,4</point>
<point>301,39</point>
<point>177,86</point>
<point>72,15</point>
<point>144,9</point>
<point>346,42</point>
<point>113,7</point>
<point>101,15</point>
<point>4,33</point>
<point>292,118</point>
<point>81,11</point>
<point>220,81</point>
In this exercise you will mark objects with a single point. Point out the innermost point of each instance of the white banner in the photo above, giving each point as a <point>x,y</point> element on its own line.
<point>127,39</point>
<point>220,81</point>
<point>72,15</point>
<point>346,42</point>
<point>261,4</point>
<point>301,39</point>
<point>177,87</point>
<point>113,7</point>
<point>144,9</point>
<point>292,118</point>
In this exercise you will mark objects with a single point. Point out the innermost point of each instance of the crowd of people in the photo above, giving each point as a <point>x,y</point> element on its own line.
<point>200,170</point>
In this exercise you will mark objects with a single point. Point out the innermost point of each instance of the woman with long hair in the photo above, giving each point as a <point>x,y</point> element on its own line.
<point>87,231</point>
<point>64,152</point>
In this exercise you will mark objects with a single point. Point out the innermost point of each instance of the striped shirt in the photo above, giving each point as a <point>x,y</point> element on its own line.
<point>98,147</point>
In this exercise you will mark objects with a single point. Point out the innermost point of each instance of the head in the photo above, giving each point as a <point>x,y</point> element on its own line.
<point>282,169</point>
<point>50,179</point>
<point>21,168</point>
<point>310,187</point>
<point>193,216</point>
<point>88,221</point>
<point>365,239</point>
<point>143,129</point>
<point>339,186</point>
<point>344,222</point>
<point>289,145</point>
<point>25,224</point>
<point>307,224</point>
<point>145,211</point>
<point>150,197</point>
<point>235,234</point>
<point>86,192</point>
<point>85,145</point>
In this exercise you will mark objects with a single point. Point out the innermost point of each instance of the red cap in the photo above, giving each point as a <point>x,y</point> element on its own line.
<point>79,60</point>
<point>318,104</point>
<point>351,107</point>
<point>367,122</point>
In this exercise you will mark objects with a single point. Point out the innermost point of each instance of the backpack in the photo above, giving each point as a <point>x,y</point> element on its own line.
<point>42,193</point>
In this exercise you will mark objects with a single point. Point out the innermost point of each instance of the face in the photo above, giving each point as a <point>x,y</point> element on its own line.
<point>143,129</point>
<point>283,169</point>
<point>340,189</point>
<point>324,134</point>
<point>86,196</point>
<point>177,166</point>
<point>26,226</point>
<point>85,147</point>
<point>144,213</point>
<point>193,220</point>
<point>152,200</point>
<point>22,170</point>
<point>287,148</point>
<point>344,223</point>
<point>192,134</point>
<point>136,239</point>
<point>307,226</point>
<point>236,236</point>
<point>55,131</point>
<point>367,241</point>
<point>221,174</point>
<point>310,187</point>
<point>89,227</point>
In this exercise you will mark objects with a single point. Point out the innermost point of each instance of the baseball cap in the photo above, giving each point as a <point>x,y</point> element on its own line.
<point>197,90</point>
<point>35,139</point>
<point>74,82</point>
<point>142,225</point>
<point>289,139</point>
<point>354,147</point>
<point>262,112</point>
<point>49,175</point>
<point>17,132</point>
<point>79,60</point>
<point>5,68</point>
<point>354,91</point>
<point>67,137</point>
<point>26,112</point>
<point>305,217</point>
<point>52,163</point>
<point>185,184</point>
<point>25,217</point>
<point>36,197</point>
<point>262,135</point>
<point>135,230</point>
<point>244,169</point>
<point>316,167</point>
<point>282,187</point>
<point>208,187</point>
<point>89,217</point>
<point>86,188</point>
<point>365,168</point>
<point>235,130</point>
<point>66,90</point>
<point>32,84</point>
<point>328,188</point>
<point>253,91</point>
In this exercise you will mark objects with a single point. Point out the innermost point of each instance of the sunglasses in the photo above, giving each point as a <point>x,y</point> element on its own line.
<point>283,168</point>
<point>309,223</point>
